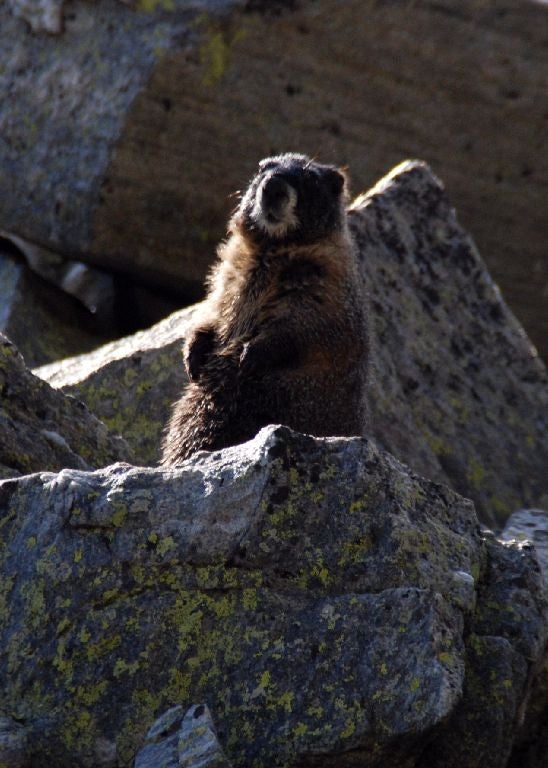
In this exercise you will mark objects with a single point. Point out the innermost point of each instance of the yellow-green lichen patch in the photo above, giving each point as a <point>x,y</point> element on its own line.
<point>149,6</point>
<point>476,472</point>
<point>79,730</point>
<point>415,684</point>
<point>216,49</point>
<point>354,552</point>
<point>33,594</point>
<point>102,647</point>
<point>119,513</point>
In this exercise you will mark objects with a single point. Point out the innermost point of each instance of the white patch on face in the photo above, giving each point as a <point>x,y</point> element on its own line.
<point>286,220</point>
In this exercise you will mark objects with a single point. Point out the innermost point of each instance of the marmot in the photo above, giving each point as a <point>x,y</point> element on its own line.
<point>282,335</point>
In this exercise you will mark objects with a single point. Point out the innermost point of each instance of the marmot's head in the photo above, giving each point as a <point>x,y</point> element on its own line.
<point>293,199</point>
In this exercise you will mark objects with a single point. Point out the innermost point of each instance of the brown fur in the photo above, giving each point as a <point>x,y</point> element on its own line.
<point>285,338</point>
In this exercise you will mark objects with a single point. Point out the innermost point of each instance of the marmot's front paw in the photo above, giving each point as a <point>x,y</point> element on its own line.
<point>197,350</point>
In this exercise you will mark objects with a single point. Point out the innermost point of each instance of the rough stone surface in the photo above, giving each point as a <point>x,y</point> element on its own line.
<point>13,744</point>
<point>313,592</point>
<point>478,733</point>
<point>179,740</point>
<point>531,745</point>
<point>130,383</point>
<point>43,322</point>
<point>457,390</point>
<point>42,429</point>
<point>124,137</point>
<point>530,525</point>
<point>93,288</point>
<point>40,15</point>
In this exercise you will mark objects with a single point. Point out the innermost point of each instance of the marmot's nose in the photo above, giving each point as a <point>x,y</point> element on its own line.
<point>274,193</point>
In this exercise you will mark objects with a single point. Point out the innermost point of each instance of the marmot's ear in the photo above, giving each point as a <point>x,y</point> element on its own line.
<point>335,179</point>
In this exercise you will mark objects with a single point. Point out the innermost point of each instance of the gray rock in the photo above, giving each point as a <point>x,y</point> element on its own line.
<point>457,390</point>
<point>40,15</point>
<point>93,288</point>
<point>478,733</point>
<point>41,429</point>
<point>130,383</point>
<point>313,592</point>
<point>530,525</point>
<point>107,152</point>
<point>13,744</point>
<point>44,323</point>
<point>531,747</point>
<point>178,740</point>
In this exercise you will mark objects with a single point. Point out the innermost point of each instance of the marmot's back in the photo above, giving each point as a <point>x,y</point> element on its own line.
<point>282,336</point>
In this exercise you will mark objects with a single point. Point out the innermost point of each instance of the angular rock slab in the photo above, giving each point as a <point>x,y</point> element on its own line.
<point>130,383</point>
<point>457,390</point>
<point>126,134</point>
<point>505,647</point>
<point>531,748</point>
<point>41,429</point>
<point>13,744</point>
<point>312,592</point>
<point>530,525</point>
<point>42,321</point>
<point>179,740</point>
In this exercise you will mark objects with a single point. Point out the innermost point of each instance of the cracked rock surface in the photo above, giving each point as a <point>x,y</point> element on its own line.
<point>41,428</point>
<point>329,606</point>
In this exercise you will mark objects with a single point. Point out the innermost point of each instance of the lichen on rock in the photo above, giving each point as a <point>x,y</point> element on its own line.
<point>313,592</point>
<point>41,429</point>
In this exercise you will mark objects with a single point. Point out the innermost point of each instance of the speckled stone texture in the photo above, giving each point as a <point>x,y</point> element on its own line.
<point>13,744</point>
<point>130,383</point>
<point>315,594</point>
<point>531,748</point>
<point>182,740</point>
<point>43,322</point>
<point>42,429</point>
<point>457,390</point>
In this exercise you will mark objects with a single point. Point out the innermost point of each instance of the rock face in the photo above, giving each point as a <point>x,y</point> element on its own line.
<point>530,525</point>
<point>133,181</point>
<point>178,740</point>
<point>42,429</point>
<point>130,383</point>
<point>314,593</point>
<point>531,745</point>
<point>457,391</point>
<point>43,322</point>
<point>13,744</point>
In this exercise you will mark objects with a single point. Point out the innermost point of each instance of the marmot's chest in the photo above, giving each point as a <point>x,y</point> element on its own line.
<point>281,281</point>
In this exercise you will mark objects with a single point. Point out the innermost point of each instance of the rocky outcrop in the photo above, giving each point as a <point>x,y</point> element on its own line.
<point>179,740</point>
<point>42,429</point>
<point>13,744</point>
<point>107,136</point>
<point>531,746</point>
<point>530,525</point>
<point>457,391</point>
<point>130,383</point>
<point>42,321</point>
<point>330,607</point>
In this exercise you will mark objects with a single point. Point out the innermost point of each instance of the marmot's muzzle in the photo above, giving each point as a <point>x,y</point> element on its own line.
<point>275,195</point>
